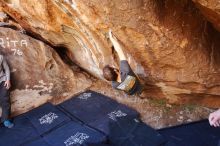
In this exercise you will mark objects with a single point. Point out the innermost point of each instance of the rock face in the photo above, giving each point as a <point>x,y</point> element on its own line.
<point>211,10</point>
<point>169,44</point>
<point>38,73</point>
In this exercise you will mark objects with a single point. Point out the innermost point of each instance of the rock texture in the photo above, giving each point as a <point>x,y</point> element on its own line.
<point>211,10</point>
<point>169,43</point>
<point>38,73</point>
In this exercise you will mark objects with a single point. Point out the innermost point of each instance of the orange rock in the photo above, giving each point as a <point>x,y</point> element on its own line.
<point>210,9</point>
<point>38,73</point>
<point>169,44</point>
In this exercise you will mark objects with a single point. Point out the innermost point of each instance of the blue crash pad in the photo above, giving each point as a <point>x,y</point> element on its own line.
<point>41,142</point>
<point>193,134</point>
<point>86,105</point>
<point>21,132</point>
<point>73,134</point>
<point>96,110</point>
<point>102,124</point>
<point>133,132</point>
<point>37,142</point>
<point>99,144</point>
<point>46,117</point>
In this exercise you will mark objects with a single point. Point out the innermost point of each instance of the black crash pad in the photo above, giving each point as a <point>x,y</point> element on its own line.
<point>74,134</point>
<point>46,117</point>
<point>96,110</point>
<point>90,106</point>
<point>103,122</point>
<point>192,134</point>
<point>36,142</point>
<point>21,132</point>
<point>133,132</point>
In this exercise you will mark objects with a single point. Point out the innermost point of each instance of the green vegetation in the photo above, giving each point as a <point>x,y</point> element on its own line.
<point>158,102</point>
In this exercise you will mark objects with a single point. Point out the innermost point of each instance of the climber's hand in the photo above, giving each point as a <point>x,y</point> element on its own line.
<point>115,41</point>
<point>214,118</point>
<point>117,46</point>
<point>7,84</point>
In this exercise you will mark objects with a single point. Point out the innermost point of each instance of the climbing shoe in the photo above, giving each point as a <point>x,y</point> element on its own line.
<point>8,124</point>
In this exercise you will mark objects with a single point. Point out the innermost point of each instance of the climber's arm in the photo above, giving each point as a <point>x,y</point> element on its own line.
<point>7,72</point>
<point>117,46</point>
<point>6,68</point>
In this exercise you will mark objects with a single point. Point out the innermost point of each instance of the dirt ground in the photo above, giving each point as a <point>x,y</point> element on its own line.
<point>155,112</point>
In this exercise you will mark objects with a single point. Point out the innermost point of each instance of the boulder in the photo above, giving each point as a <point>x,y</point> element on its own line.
<point>38,74</point>
<point>211,10</point>
<point>169,44</point>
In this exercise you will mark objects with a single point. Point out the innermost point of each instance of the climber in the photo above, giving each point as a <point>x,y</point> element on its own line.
<point>125,79</point>
<point>214,118</point>
<point>4,92</point>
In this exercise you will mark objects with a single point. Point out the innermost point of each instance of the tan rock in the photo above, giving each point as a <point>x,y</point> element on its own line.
<point>169,44</point>
<point>3,16</point>
<point>211,10</point>
<point>38,73</point>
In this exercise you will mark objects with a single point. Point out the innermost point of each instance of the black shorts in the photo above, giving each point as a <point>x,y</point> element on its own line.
<point>4,102</point>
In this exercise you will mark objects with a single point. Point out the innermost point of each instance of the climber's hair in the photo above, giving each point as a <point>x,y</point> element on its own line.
<point>109,73</point>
